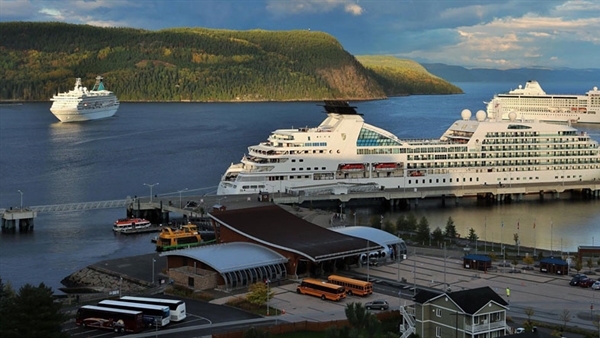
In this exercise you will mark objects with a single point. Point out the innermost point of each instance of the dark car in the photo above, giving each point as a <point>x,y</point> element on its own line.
<point>378,304</point>
<point>586,283</point>
<point>577,278</point>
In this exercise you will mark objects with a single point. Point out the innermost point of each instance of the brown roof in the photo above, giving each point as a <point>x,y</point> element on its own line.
<point>274,226</point>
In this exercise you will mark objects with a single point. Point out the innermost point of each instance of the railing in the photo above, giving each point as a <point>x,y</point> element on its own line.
<point>485,327</point>
<point>78,206</point>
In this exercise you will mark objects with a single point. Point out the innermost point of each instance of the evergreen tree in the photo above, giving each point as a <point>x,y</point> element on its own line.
<point>402,223</point>
<point>437,236</point>
<point>411,222</point>
<point>450,229</point>
<point>472,235</point>
<point>423,232</point>
<point>33,313</point>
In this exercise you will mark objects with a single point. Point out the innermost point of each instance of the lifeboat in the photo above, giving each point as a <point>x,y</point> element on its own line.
<point>352,167</point>
<point>172,239</point>
<point>385,166</point>
<point>416,173</point>
<point>126,224</point>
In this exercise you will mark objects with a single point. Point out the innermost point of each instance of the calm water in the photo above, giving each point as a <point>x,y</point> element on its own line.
<point>186,145</point>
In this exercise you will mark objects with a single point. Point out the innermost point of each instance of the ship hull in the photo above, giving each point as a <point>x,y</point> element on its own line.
<point>75,115</point>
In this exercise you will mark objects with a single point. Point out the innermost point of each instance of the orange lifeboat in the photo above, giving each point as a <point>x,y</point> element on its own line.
<point>352,167</point>
<point>386,166</point>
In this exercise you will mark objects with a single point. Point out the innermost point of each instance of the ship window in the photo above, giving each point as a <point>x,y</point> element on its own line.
<point>316,168</point>
<point>322,168</point>
<point>293,169</point>
<point>300,160</point>
<point>293,160</point>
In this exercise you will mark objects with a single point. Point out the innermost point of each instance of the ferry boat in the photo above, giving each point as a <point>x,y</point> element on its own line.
<point>81,104</point>
<point>127,224</point>
<point>185,237</point>
<point>532,102</point>
<point>471,152</point>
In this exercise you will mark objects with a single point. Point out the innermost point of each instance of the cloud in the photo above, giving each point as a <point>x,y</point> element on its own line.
<point>354,9</point>
<point>294,7</point>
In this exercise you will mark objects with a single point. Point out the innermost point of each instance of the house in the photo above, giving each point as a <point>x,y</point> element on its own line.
<point>554,265</point>
<point>477,262</point>
<point>472,313</point>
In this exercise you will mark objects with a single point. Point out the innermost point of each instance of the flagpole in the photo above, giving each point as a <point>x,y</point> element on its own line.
<point>502,246</point>
<point>551,240</point>
<point>485,235</point>
<point>534,242</point>
<point>518,238</point>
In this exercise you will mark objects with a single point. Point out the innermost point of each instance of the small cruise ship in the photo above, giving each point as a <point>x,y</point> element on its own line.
<point>81,104</point>
<point>532,102</point>
<point>344,154</point>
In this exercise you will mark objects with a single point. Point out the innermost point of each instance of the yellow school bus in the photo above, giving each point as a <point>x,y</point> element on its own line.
<point>352,286</point>
<point>317,288</point>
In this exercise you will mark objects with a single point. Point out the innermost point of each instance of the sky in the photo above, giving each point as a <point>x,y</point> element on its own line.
<point>470,33</point>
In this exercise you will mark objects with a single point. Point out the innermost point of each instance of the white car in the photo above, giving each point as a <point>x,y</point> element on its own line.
<point>519,330</point>
<point>596,285</point>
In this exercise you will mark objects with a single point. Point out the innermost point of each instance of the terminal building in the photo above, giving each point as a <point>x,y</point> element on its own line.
<point>271,244</point>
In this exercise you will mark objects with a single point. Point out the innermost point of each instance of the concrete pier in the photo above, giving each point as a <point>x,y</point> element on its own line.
<point>18,218</point>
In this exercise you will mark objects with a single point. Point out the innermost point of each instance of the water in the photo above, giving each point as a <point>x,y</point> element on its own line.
<point>188,145</point>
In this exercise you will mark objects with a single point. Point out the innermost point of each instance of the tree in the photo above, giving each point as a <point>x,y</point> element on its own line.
<point>376,221</point>
<point>258,294</point>
<point>389,227</point>
<point>528,260</point>
<point>472,235</point>
<point>411,222</point>
<point>362,322</point>
<point>423,232</point>
<point>516,238</point>
<point>578,265</point>
<point>33,313</point>
<point>401,223</point>
<point>565,317</point>
<point>590,264</point>
<point>529,312</point>
<point>450,229</point>
<point>437,235</point>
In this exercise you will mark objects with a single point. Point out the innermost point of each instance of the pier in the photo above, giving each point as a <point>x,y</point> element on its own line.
<point>18,218</point>
<point>498,193</point>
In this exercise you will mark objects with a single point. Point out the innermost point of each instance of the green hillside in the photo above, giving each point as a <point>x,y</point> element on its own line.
<point>38,60</point>
<point>405,77</point>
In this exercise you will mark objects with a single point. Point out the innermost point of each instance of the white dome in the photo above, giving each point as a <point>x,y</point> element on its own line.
<point>480,115</point>
<point>465,114</point>
<point>512,116</point>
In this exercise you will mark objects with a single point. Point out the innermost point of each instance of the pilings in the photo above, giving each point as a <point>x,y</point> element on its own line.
<point>18,218</point>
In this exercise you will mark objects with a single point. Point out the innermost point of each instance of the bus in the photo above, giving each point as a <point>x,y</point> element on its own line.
<point>176,306</point>
<point>321,289</point>
<point>108,318</point>
<point>352,286</point>
<point>154,315</point>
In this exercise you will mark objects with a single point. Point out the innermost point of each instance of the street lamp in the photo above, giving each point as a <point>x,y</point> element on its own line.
<point>180,191</point>
<point>20,192</point>
<point>153,261</point>
<point>151,186</point>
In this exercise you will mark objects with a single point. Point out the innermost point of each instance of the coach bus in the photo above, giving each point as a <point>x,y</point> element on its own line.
<point>154,315</point>
<point>176,306</point>
<point>321,289</point>
<point>108,318</point>
<point>352,286</point>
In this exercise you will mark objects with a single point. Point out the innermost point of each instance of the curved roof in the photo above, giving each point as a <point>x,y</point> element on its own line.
<point>231,256</point>
<point>377,236</point>
<point>271,225</point>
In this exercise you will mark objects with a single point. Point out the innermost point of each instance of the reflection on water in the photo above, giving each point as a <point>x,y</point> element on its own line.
<point>560,225</point>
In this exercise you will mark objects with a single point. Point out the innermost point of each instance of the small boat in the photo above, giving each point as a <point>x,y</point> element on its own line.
<point>127,224</point>
<point>185,237</point>
<point>386,166</point>
<point>352,167</point>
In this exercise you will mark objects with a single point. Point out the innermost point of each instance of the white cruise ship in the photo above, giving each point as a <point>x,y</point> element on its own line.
<point>532,102</point>
<point>345,154</point>
<point>81,104</point>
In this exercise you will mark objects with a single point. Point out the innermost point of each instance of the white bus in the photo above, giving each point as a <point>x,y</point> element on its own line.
<point>176,306</point>
<point>154,315</point>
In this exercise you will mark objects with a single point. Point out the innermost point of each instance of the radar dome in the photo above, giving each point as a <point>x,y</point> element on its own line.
<point>480,115</point>
<point>465,114</point>
<point>512,116</point>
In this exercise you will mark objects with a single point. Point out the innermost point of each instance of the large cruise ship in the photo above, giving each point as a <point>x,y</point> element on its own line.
<point>344,154</point>
<point>532,102</point>
<point>81,104</point>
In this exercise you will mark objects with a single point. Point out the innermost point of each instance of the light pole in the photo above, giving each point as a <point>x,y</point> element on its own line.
<point>153,261</point>
<point>267,281</point>
<point>151,186</point>
<point>180,191</point>
<point>120,284</point>
<point>20,192</point>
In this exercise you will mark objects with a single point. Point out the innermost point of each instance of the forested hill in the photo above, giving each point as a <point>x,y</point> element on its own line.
<point>38,60</point>
<point>401,76</point>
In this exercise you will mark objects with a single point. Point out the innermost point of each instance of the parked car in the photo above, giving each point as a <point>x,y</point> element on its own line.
<point>586,283</point>
<point>519,330</point>
<point>577,278</point>
<point>596,285</point>
<point>377,304</point>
